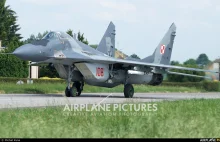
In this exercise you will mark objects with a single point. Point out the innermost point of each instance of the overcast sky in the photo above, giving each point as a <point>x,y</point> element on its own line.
<point>140,24</point>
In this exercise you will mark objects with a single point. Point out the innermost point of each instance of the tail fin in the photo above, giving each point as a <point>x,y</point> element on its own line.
<point>107,44</point>
<point>162,53</point>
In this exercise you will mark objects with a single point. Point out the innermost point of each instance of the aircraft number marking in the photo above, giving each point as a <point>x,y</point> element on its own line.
<point>162,49</point>
<point>99,71</point>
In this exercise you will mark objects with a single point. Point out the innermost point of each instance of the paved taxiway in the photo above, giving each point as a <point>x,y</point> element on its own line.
<point>42,100</point>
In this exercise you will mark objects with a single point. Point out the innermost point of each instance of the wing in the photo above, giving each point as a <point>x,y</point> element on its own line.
<point>110,60</point>
<point>71,58</point>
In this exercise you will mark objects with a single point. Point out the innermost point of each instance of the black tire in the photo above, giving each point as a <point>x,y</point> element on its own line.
<point>79,92</point>
<point>73,91</point>
<point>128,91</point>
<point>67,92</point>
<point>78,87</point>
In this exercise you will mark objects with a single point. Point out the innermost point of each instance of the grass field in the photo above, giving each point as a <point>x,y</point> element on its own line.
<point>179,119</point>
<point>44,88</point>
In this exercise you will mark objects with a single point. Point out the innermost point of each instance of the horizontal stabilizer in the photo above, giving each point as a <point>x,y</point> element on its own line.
<point>184,74</point>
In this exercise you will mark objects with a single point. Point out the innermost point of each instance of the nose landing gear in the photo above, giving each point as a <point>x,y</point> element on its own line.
<point>75,89</point>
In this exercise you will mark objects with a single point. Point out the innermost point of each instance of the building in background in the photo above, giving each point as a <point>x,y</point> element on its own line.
<point>120,55</point>
<point>214,66</point>
<point>33,72</point>
<point>1,48</point>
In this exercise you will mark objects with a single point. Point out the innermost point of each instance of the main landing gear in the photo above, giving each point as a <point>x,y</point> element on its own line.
<point>128,91</point>
<point>128,88</point>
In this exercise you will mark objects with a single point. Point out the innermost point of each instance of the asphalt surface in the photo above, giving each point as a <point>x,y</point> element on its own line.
<point>42,100</point>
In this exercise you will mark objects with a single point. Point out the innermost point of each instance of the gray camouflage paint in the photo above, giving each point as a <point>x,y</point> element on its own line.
<point>62,50</point>
<point>107,44</point>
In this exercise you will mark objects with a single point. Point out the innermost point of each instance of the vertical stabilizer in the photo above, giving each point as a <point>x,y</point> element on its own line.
<point>163,51</point>
<point>107,43</point>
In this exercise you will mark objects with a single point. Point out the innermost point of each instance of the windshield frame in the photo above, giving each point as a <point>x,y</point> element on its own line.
<point>51,36</point>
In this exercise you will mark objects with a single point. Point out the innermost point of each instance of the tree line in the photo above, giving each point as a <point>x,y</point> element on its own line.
<point>11,66</point>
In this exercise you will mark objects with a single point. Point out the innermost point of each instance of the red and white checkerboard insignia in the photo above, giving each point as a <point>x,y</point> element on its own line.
<point>162,49</point>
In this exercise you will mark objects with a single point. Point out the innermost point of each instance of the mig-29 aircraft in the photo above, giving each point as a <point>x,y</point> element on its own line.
<point>79,63</point>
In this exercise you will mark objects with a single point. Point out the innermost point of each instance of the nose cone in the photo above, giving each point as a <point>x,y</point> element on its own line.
<point>29,52</point>
<point>21,51</point>
<point>24,51</point>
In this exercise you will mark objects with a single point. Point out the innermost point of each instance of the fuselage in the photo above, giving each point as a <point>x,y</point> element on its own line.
<point>63,50</point>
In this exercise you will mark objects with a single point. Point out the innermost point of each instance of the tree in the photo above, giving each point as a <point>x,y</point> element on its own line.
<point>135,56</point>
<point>203,59</point>
<point>33,37</point>
<point>190,62</point>
<point>174,63</point>
<point>94,46</point>
<point>10,66</point>
<point>2,4</point>
<point>70,32</point>
<point>8,26</point>
<point>81,38</point>
<point>48,71</point>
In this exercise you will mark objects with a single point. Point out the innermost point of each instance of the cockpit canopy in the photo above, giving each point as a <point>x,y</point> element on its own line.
<point>57,35</point>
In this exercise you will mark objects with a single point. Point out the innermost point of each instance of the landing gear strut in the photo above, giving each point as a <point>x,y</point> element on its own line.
<point>128,91</point>
<point>68,88</point>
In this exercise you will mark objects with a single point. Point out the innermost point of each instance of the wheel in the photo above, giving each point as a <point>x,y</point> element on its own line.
<point>128,91</point>
<point>79,88</point>
<point>79,92</point>
<point>67,92</point>
<point>73,91</point>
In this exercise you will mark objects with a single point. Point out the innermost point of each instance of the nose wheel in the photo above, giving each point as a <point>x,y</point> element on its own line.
<point>67,92</point>
<point>75,90</point>
<point>72,92</point>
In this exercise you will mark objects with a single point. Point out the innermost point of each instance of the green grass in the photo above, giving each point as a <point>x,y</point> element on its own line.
<point>179,119</point>
<point>45,88</point>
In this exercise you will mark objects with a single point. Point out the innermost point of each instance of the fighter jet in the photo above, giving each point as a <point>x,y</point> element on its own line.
<point>79,63</point>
